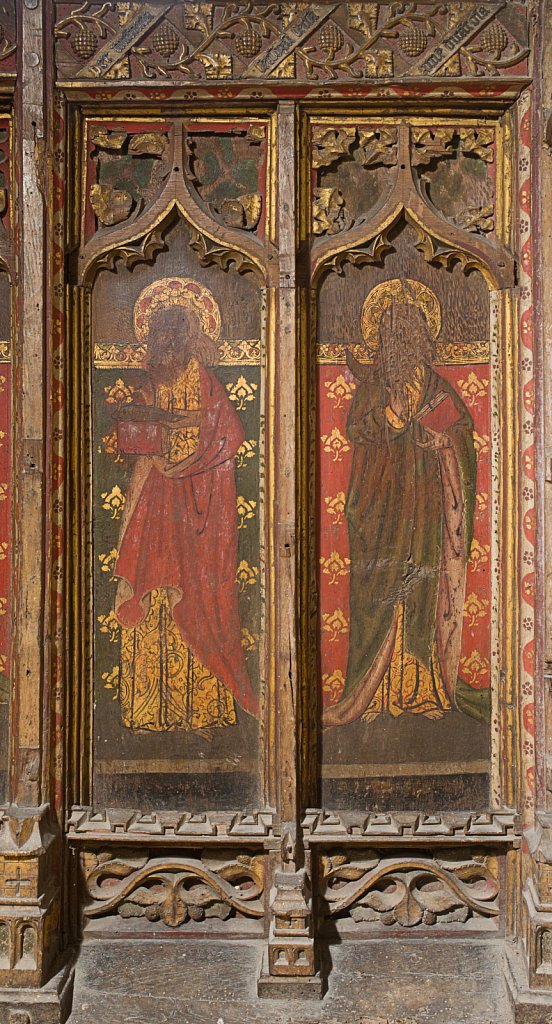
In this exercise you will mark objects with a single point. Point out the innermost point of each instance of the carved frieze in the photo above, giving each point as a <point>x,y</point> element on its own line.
<point>85,822</point>
<point>410,891</point>
<point>172,889</point>
<point>413,826</point>
<point>410,827</point>
<point>309,42</point>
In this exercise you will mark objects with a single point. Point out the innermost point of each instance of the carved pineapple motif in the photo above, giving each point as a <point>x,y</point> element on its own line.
<point>84,43</point>
<point>249,43</point>
<point>413,42</point>
<point>494,39</point>
<point>331,39</point>
<point>165,40</point>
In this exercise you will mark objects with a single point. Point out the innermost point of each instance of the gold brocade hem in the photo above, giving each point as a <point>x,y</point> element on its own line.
<point>162,685</point>
<point>408,687</point>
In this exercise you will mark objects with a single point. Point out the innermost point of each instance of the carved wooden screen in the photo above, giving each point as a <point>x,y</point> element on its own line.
<point>293,379</point>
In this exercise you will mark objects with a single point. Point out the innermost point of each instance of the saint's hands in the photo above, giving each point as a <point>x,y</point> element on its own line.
<point>171,470</point>
<point>437,441</point>
<point>398,403</point>
<point>186,418</point>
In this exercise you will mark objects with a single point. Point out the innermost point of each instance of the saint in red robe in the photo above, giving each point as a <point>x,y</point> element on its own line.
<point>180,534</point>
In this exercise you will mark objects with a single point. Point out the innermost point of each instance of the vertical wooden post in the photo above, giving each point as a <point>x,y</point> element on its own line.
<point>289,969</point>
<point>27,732</point>
<point>29,837</point>
<point>285,496</point>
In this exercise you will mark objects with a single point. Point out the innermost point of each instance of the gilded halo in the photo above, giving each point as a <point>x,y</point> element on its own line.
<point>176,291</point>
<point>380,299</point>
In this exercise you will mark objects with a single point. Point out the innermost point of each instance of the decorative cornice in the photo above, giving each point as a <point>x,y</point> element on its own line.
<point>301,42</point>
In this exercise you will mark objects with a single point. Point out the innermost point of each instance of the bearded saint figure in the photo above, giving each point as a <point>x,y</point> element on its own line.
<point>410,509</point>
<point>182,662</point>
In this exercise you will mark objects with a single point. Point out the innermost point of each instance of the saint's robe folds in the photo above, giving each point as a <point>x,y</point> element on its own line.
<point>180,534</point>
<point>410,518</point>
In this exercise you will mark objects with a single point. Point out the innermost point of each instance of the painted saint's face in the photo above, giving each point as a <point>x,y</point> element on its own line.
<point>174,338</point>
<point>405,343</point>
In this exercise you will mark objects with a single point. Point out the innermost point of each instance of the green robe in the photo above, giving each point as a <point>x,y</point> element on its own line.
<point>395,517</point>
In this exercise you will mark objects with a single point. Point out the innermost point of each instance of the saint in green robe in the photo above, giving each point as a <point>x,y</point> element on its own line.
<point>410,510</point>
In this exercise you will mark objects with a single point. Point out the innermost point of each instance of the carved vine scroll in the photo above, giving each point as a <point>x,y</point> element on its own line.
<point>311,42</point>
<point>172,889</point>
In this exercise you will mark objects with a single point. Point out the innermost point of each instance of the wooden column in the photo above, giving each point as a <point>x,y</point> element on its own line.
<point>27,718</point>
<point>286,472</point>
<point>289,969</point>
<point>29,837</point>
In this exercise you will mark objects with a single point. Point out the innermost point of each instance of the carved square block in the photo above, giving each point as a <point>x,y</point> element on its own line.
<point>291,959</point>
<point>19,878</point>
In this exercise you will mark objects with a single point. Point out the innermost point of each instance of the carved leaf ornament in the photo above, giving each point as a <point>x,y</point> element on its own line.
<point>172,890</point>
<point>408,892</point>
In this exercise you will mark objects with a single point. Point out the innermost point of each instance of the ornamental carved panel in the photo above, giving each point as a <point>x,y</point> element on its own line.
<point>314,43</point>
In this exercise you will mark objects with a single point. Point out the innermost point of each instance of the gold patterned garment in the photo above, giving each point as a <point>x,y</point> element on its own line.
<point>185,395</point>
<point>408,686</point>
<point>163,686</point>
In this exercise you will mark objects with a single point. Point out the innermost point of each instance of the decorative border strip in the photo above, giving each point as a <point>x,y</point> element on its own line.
<point>111,355</point>
<point>335,354</point>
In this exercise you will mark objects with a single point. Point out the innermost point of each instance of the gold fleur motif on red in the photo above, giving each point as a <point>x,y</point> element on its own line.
<point>479,555</point>
<point>473,389</point>
<point>335,507</point>
<point>335,624</point>
<point>339,391</point>
<point>335,444</point>
<point>474,668</point>
<point>335,566</point>
<point>481,443</point>
<point>333,683</point>
<point>475,608</point>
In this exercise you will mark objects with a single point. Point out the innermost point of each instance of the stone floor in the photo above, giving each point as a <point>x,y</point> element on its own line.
<point>206,982</point>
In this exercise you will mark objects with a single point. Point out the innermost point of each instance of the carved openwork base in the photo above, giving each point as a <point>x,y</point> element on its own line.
<point>530,1006</point>
<point>50,1004</point>
<point>529,963</point>
<point>29,896</point>
<point>270,986</point>
<point>290,968</point>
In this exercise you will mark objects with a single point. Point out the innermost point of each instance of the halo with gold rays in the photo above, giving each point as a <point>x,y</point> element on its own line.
<point>176,291</point>
<point>382,295</point>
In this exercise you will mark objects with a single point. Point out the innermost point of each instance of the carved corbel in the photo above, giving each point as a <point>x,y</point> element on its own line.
<point>290,967</point>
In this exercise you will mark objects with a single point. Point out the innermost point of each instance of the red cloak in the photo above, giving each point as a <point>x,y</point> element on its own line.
<point>180,532</point>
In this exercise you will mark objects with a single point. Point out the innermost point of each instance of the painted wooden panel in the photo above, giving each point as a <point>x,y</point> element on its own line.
<point>176,486</point>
